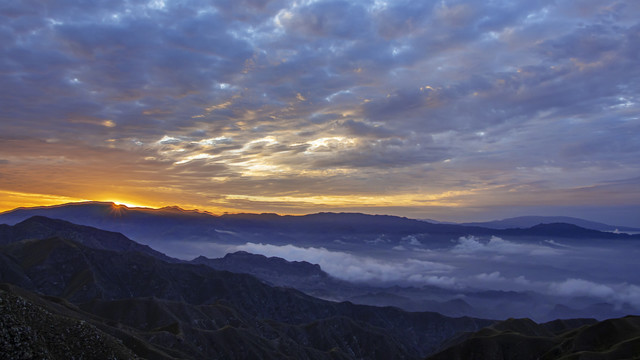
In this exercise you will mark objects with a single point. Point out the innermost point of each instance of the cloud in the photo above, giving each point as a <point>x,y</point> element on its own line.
<point>630,294</point>
<point>492,277</point>
<point>351,267</point>
<point>496,245</point>
<point>438,92</point>
<point>411,240</point>
<point>620,293</point>
<point>447,273</point>
<point>579,287</point>
<point>340,19</point>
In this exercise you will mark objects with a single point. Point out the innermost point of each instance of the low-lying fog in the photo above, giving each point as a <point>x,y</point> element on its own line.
<point>553,278</point>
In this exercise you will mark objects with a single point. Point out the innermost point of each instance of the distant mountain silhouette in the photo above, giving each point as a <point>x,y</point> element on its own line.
<point>524,222</point>
<point>165,228</point>
<point>565,231</point>
<point>600,310</point>
<point>455,307</point>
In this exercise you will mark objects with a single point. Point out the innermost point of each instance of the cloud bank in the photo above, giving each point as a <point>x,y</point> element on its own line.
<point>496,245</point>
<point>559,271</point>
<point>350,267</point>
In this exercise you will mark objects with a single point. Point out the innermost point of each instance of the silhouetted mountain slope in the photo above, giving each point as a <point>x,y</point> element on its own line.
<point>524,222</point>
<point>565,231</point>
<point>242,261</point>
<point>218,331</point>
<point>560,339</point>
<point>276,271</point>
<point>67,269</point>
<point>455,307</point>
<point>64,268</point>
<point>225,333</point>
<point>182,332</point>
<point>40,227</point>
<point>600,310</point>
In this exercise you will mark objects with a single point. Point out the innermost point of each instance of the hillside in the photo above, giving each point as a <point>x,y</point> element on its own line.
<point>522,339</point>
<point>193,311</point>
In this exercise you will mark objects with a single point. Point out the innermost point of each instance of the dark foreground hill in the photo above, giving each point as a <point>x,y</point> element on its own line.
<point>159,309</point>
<point>36,328</point>
<point>522,339</point>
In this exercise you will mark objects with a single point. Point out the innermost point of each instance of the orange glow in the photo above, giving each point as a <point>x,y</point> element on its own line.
<point>449,198</point>
<point>128,204</point>
<point>10,200</point>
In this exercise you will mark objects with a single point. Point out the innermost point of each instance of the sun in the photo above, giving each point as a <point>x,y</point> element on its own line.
<point>127,203</point>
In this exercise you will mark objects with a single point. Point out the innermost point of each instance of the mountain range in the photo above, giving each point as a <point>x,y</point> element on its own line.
<point>161,309</point>
<point>352,242</point>
<point>103,293</point>
<point>169,229</point>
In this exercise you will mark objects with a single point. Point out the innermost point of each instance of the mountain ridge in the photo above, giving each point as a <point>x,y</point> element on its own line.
<point>160,227</point>
<point>38,227</point>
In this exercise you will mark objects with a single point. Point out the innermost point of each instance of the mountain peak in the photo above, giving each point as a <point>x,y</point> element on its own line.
<point>40,227</point>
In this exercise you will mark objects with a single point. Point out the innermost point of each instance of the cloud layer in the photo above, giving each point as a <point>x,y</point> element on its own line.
<point>350,267</point>
<point>496,245</point>
<point>563,272</point>
<point>418,108</point>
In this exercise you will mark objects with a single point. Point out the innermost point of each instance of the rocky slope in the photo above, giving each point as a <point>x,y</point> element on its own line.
<point>31,330</point>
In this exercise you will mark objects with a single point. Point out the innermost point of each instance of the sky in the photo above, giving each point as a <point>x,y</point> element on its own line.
<point>448,110</point>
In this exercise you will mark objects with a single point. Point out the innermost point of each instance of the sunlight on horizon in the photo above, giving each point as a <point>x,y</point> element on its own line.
<point>14,199</point>
<point>130,204</point>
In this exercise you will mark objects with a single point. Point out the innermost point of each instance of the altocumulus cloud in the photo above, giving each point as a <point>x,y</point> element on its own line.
<point>359,268</point>
<point>438,91</point>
